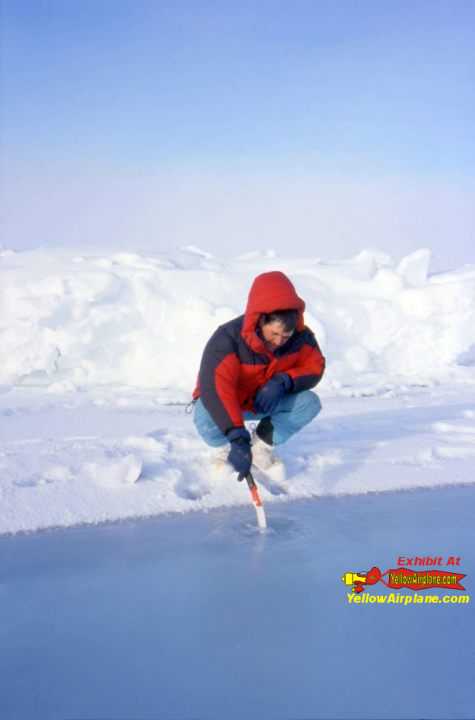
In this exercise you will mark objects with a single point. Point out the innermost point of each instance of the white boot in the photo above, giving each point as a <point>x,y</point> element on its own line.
<point>262,454</point>
<point>220,457</point>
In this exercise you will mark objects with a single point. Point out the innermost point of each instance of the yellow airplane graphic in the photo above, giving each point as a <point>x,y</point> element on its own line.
<point>360,579</point>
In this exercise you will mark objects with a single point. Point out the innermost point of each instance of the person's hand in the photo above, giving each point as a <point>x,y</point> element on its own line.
<point>268,396</point>
<point>240,455</point>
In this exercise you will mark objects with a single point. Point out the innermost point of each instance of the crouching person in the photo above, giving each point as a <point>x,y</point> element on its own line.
<point>259,366</point>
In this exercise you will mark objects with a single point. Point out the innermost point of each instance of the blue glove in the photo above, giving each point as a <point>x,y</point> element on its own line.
<point>268,396</point>
<point>240,455</point>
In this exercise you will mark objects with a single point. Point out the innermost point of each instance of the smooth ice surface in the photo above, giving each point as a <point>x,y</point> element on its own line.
<point>203,617</point>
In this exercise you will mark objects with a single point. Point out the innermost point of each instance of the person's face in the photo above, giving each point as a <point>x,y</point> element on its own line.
<point>275,334</point>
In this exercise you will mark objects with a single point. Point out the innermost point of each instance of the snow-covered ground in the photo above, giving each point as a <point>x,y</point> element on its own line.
<point>66,459</point>
<point>195,614</point>
<point>99,354</point>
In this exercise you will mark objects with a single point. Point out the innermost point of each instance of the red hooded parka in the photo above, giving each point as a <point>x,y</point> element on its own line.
<point>236,362</point>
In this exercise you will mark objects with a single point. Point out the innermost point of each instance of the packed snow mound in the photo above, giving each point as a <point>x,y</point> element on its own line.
<point>70,320</point>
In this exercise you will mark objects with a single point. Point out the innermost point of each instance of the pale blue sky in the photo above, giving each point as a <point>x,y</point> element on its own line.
<point>159,109</point>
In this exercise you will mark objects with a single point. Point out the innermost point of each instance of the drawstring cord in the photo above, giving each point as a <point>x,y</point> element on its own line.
<point>190,407</point>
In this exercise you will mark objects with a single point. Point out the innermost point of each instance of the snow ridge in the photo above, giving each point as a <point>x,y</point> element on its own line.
<point>70,321</point>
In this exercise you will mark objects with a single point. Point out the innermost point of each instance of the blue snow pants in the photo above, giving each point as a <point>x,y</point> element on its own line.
<point>292,413</point>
